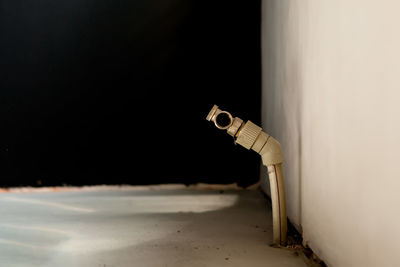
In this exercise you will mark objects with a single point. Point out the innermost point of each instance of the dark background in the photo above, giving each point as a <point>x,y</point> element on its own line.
<point>117,91</point>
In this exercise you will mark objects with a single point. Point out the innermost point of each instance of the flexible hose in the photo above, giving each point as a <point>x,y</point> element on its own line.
<point>278,199</point>
<point>252,137</point>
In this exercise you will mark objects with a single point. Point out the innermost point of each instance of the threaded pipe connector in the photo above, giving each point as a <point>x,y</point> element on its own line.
<point>248,135</point>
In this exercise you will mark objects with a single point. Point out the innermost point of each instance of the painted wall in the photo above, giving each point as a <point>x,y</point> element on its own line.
<point>331,95</point>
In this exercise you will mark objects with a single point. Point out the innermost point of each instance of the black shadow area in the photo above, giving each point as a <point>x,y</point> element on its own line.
<point>101,91</point>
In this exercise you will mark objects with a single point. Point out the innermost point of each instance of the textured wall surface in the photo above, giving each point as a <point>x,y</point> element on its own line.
<point>331,94</point>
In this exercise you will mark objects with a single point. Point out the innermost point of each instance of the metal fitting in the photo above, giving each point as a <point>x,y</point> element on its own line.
<point>223,120</point>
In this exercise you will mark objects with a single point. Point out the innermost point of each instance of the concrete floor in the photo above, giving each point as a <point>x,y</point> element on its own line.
<point>110,227</point>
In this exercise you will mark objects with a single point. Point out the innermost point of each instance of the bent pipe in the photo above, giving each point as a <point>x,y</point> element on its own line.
<point>251,136</point>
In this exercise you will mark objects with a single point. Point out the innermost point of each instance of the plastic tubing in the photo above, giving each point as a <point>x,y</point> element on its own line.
<point>251,136</point>
<point>278,200</point>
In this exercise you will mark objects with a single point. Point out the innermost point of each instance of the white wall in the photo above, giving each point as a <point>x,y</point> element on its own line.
<point>331,96</point>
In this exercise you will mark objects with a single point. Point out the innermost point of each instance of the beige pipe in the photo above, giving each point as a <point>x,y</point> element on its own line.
<point>278,199</point>
<point>252,137</point>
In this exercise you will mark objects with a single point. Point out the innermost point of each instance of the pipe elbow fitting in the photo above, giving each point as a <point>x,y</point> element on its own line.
<point>248,135</point>
<point>252,137</point>
<point>271,153</point>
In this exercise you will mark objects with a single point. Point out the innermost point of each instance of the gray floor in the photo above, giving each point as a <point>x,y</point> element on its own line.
<point>109,227</point>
